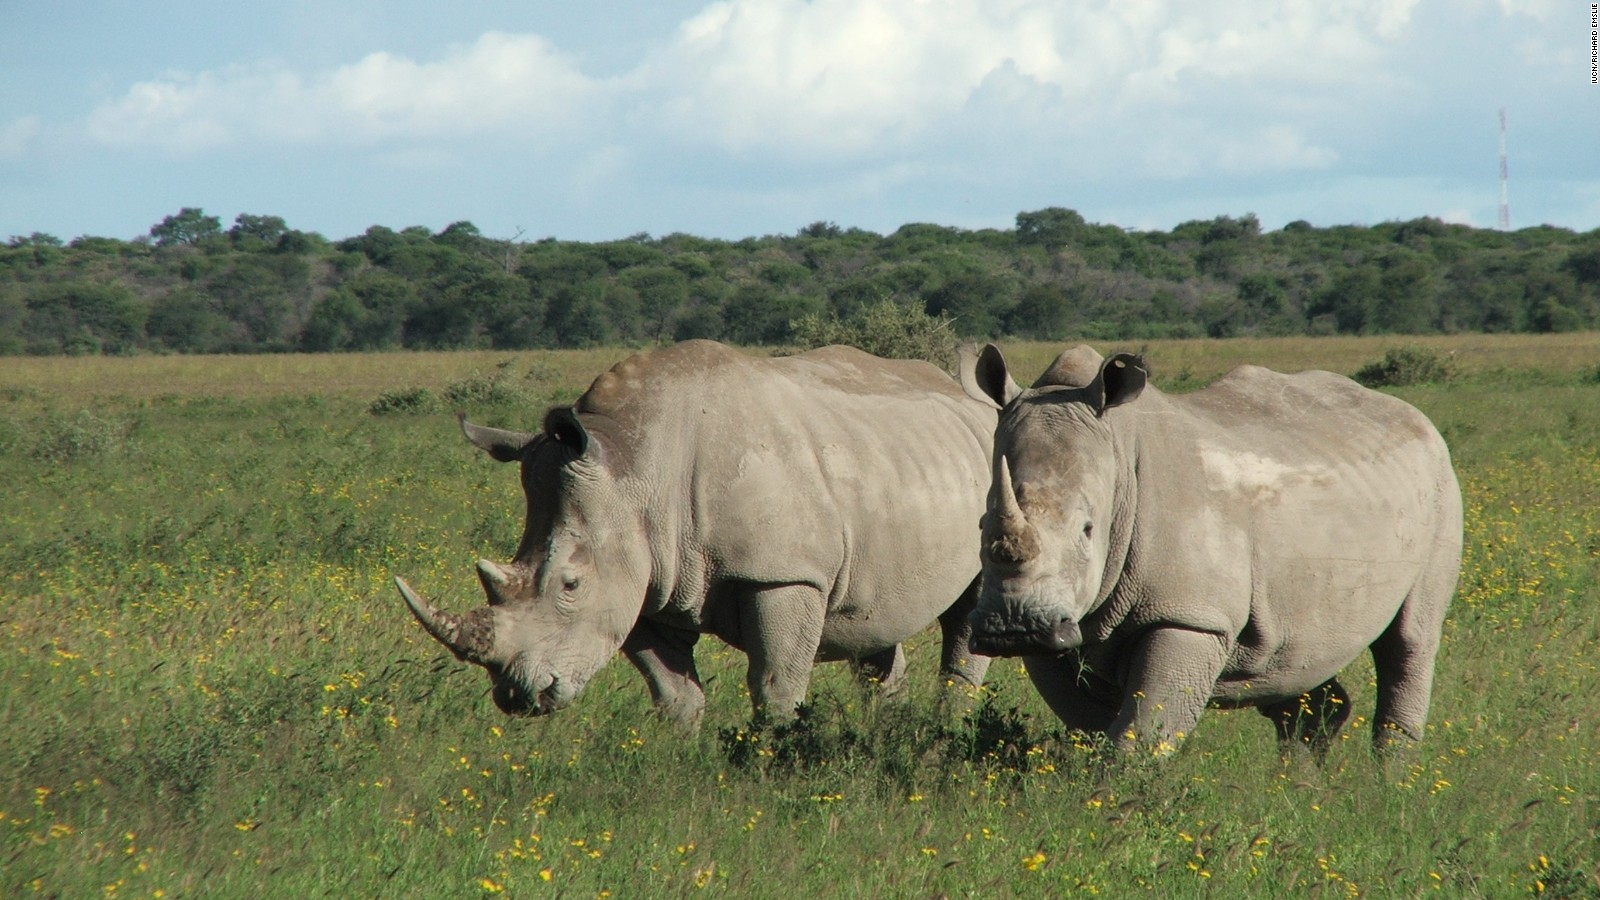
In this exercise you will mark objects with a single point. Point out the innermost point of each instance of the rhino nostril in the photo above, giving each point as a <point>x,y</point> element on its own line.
<point>1066,635</point>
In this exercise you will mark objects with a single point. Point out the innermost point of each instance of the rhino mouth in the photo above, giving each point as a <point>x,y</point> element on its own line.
<point>1046,641</point>
<point>514,698</point>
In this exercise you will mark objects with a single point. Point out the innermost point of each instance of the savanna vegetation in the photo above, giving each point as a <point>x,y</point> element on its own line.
<point>191,286</point>
<point>213,690</point>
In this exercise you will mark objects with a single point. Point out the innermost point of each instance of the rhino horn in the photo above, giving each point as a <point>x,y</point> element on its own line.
<point>1017,541</point>
<point>469,637</point>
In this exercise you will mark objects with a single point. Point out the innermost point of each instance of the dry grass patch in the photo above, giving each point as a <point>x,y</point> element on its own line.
<point>1204,359</point>
<point>351,376</point>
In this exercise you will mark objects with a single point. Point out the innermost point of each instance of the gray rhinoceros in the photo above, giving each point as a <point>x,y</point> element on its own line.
<point>815,507</point>
<point>1149,554</point>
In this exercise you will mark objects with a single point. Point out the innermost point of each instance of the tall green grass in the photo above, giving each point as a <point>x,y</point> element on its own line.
<point>211,689</point>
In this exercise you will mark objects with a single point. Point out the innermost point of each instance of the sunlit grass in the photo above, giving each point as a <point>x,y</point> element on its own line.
<point>364,376</point>
<point>289,374</point>
<point>1202,360</point>
<point>212,690</point>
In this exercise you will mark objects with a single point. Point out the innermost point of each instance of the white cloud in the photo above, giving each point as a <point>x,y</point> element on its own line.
<point>1162,87</point>
<point>844,78</point>
<point>834,76</point>
<point>17,135</point>
<point>499,82</point>
<point>1539,10</point>
<point>1275,148</point>
<point>604,167</point>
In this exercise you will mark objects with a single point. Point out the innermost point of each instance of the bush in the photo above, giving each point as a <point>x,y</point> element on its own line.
<point>884,329</point>
<point>406,400</point>
<point>895,742</point>
<point>1407,365</point>
<point>87,434</point>
<point>809,741</point>
<point>486,390</point>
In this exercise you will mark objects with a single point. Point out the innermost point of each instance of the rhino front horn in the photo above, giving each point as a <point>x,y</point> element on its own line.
<point>469,637</point>
<point>1016,541</point>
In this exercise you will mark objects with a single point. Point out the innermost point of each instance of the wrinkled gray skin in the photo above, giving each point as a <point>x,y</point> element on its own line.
<point>1147,554</point>
<point>809,508</point>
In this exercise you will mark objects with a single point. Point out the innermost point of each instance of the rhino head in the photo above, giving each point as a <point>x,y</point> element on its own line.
<point>563,606</point>
<point>1050,521</point>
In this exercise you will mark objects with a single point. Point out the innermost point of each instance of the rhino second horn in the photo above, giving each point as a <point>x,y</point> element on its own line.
<point>469,637</point>
<point>1017,541</point>
<point>499,583</point>
<point>493,573</point>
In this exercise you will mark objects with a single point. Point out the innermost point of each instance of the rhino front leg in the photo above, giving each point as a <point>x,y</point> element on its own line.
<point>957,662</point>
<point>1171,675</point>
<point>781,628</point>
<point>665,657</point>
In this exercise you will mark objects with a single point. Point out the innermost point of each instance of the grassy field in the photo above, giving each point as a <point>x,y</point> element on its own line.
<point>212,689</point>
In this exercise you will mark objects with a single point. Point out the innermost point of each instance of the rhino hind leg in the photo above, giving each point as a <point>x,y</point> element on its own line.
<point>1403,656</point>
<point>665,657</point>
<point>957,663</point>
<point>885,670</point>
<point>1312,719</point>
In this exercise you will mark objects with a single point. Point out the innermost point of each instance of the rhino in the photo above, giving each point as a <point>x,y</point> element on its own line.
<point>1149,555</point>
<point>807,508</point>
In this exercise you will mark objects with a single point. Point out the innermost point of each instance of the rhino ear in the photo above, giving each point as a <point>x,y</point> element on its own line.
<point>564,427</point>
<point>1122,379</point>
<point>505,446</point>
<point>984,376</point>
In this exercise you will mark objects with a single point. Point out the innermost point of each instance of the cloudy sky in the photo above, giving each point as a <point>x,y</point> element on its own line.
<point>604,118</point>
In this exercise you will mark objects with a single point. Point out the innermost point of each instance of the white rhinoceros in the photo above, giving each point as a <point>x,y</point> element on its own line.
<point>815,507</point>
<point>1149,554</point>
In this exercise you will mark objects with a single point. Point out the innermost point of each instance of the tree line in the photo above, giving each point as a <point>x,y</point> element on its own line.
<point>192,286</point>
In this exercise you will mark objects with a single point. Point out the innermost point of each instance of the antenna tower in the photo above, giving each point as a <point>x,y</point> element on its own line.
<point>1505,197</point>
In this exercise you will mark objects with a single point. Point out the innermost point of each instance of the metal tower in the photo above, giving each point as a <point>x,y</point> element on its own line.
<point>1505,197</point>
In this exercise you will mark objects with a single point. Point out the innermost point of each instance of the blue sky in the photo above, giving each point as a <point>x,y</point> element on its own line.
<point>602,119</point>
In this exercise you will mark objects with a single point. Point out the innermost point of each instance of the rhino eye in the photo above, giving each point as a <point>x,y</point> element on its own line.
<point>1088,529</point>
<point>569,583</point>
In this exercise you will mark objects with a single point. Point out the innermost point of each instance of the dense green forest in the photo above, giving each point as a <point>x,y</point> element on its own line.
<point>191,286</point>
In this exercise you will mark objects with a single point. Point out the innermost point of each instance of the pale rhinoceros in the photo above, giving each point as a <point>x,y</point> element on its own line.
<point>815,507</point>
<point>1147,554</point>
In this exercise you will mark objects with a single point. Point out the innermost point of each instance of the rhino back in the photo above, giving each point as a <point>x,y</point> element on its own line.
<point>1294,512</point>
<point>861,476</point>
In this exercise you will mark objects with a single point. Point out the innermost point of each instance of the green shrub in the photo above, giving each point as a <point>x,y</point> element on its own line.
<point>89,433</point>
<point>405,400</point>
<point>809,741</point>
<point>1407,365</point>
<point>891,742</point>
<point>487,390</point>
<point>885,329</point>
<point>11,436</point>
